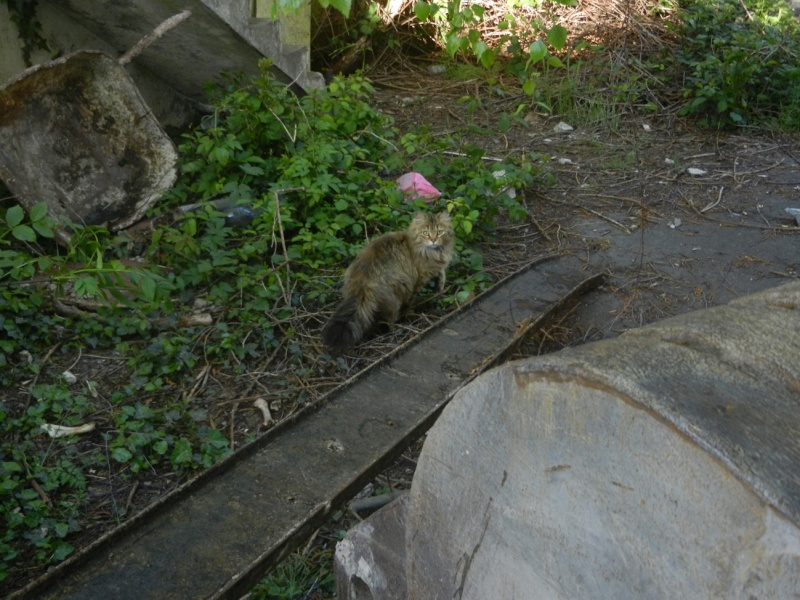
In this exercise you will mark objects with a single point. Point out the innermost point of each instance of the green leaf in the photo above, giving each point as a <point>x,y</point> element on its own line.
<point>557,36</point>
<point>61,529</point>
<point>86,286</point>
<point>11,467</point>
<point>6,485</point>
<point>479,47</point>
<point>504,124</point>
<point>24,233</point>
<point>43,230</point>
<point>422,10</point>
<point>529,87</point>
<point>220,155</point>
<point>62,551</point>
<point>487,58</point>
<point>736,118</point>
<point>455,43</point>
<point>148,288</point>
<point>537,51</point>
<point>122,455</point>
<point>14,216</point>
<point>38,212</point>
<point>182,452</point>
<point>251,169</point>
<point>343,6</point>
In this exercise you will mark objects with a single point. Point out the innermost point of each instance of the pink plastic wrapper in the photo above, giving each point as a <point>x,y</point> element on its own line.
<point>414,185</point>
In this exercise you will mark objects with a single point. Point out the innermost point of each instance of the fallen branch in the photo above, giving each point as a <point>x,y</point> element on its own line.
<point>159,31</point>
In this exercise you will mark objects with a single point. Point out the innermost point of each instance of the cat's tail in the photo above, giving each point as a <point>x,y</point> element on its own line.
<point>347,326</point>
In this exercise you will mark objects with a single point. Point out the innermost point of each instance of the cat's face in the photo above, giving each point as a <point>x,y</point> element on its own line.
<point>432,230</point>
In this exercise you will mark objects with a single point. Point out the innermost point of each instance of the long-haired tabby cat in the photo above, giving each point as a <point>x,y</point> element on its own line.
<point>386,274</point>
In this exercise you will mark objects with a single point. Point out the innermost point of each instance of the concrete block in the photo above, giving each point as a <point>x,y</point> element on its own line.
<point>370,561</point>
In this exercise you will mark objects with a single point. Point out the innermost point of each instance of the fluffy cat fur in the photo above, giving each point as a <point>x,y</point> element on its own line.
<point>386,274</point>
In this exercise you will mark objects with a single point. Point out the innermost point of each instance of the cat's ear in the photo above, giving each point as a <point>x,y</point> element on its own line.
<point>419,218</point>
<point>444,217</point>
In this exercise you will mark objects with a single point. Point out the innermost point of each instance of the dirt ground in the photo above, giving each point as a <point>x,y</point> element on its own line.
<point>679,219</point>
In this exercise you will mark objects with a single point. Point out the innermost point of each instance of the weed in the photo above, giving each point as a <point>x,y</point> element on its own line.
<point>741,63</point>
<point>299,576</point>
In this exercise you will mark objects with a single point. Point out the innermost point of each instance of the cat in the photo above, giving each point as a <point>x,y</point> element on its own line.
<point>386,274</point>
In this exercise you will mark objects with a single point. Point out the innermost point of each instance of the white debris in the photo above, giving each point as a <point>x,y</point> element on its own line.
<point>675,223</point>
<point>562,127</point>
<point>564,161</point>
<point>57,431</point>
<point>262,405</point>
<point>645,126</point>
<point>696,172</point>
<point>794,212</point>
<point>69,377</point>
<point>669,161</point>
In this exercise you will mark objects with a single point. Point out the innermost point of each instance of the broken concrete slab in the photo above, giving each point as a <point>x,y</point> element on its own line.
<point>370,560</point>
<point>660,464</point>
<point>76,134</point>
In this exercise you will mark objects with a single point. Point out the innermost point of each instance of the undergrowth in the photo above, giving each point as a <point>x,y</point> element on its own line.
<point>275,195</point>
<point>741,62</point>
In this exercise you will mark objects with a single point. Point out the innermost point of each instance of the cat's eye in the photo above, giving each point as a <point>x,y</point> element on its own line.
<point>425,232</point>
<point>440,232</point>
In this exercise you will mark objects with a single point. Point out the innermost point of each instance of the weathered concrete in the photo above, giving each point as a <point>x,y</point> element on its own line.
<point>75,133</point>
<point>370,561</point>
<point>220,37</point>
<point>661,464</point>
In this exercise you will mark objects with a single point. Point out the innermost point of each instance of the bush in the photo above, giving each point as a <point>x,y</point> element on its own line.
<point>740,62</point>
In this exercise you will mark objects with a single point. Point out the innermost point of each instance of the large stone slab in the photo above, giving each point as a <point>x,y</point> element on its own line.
<point>661,464</point>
